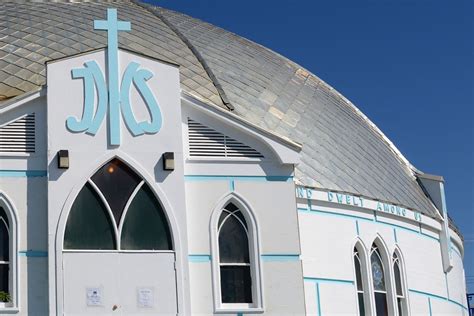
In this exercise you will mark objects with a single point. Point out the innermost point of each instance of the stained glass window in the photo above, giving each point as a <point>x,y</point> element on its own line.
<point>378,278</point>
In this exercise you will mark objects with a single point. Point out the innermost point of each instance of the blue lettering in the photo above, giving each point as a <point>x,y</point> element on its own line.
<point>330,196</point>
<point>339,197</point>
<point>348,199</point>
<point>110,97</point>
<point>299,192</point>
<point>379,206</point>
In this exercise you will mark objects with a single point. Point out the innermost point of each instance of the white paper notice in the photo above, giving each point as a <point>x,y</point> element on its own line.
<point>145,297</point>
<point>94,296</point>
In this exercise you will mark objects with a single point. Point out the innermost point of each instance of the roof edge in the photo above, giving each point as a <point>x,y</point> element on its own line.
<point>279,138</point>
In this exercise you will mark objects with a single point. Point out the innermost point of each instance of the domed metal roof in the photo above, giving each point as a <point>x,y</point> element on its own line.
<point>342,149</point>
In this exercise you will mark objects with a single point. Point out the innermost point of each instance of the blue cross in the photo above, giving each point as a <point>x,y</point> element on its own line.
<point>113,26</point>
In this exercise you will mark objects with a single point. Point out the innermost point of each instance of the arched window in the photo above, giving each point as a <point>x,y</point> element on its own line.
<point>379,281</point>
<point>116,210</point>
<point>8,255</point>
<point>359,281</point>
<point>235,258</point>
<point>399,286</point>
<point>4,254</point>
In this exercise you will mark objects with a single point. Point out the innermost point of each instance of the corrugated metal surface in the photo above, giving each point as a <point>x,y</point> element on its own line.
<point>341,149</point>
<point>207,142</point>
<point>18,136</point>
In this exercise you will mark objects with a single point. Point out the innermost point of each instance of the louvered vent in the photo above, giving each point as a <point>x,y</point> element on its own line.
<point>18,136</point>
<point>207,142</point>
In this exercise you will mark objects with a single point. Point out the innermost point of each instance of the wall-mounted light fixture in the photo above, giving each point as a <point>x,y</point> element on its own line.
<point>168,161</point>
<point>63,159</point>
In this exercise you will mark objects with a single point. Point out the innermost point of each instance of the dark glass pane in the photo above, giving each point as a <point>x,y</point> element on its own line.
<point>400,306</point>
<point>233,242</point>
<point>89,225</point>
<point>4,216</point>
<point>377,271</point>
<point>231,207</point>
<point>241,217</point>
<point>4,239</point>
<point>358,273</point>
<point>116,181</point>
<point>4,277</point>
<point>236,284</point>
<point>224,214</point>
<point>361,304</point>
<point>398,280</point>
<point>145,226</point>
<point>381,304</point>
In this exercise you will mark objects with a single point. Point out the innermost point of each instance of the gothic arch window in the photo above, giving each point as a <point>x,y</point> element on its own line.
<point>359,267</point>
<point>117,210</point>
<point>236,260</point>
<point>8,256</point>
<point>379,281</point>
<point>399,284</point>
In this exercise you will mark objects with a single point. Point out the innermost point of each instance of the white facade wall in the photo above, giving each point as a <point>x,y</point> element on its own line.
<point>329,232</point>
<point>305,242</point>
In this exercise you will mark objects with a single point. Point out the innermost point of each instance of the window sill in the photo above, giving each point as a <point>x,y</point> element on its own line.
<point>5,309</point>
<point>236,310</point>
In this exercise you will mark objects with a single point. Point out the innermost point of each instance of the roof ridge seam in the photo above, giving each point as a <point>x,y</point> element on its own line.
<point>182,37</point>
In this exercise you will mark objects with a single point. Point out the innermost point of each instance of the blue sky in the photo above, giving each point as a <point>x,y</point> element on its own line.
<point>408,65</point>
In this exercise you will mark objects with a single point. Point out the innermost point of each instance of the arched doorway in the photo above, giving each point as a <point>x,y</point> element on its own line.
<point>118,255</point>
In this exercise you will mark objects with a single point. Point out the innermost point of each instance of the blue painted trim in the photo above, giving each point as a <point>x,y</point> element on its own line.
<point>366,219</point>
<point>458,304</point>
<point>232,185</point>
<point>280,257</point>
<point>395,235</point>
<point>437,297</point>
<point>240,314</point>
<point>429,305</point>
<point>338,214</point>
<point>357,227</point>
<point>236,178</point>
<point>22,173</point>
<point>33,253</point>
<point>312,279</point>
<point>199,258</point>
<point>318,299</point>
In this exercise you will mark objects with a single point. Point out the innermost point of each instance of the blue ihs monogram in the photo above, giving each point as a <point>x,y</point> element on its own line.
<point>112,99</point>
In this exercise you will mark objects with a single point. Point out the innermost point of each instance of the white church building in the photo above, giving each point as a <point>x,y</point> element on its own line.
<point>152,163</point>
